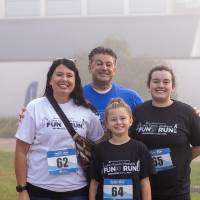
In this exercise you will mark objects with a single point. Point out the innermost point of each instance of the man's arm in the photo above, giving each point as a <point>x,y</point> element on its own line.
<point>21,114</point>
<point>195,152</point>
<point>197,111</point>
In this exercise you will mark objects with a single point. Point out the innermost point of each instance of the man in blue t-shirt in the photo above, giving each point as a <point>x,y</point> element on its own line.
<point>102,66</point>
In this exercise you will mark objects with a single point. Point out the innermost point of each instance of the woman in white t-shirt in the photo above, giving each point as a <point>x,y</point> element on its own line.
<point>45,158</point>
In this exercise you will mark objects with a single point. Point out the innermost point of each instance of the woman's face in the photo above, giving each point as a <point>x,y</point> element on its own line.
<point>161,86</point>
<point>62,82</point>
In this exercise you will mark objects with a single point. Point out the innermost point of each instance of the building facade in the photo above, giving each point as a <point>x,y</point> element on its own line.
<point>34,32</point>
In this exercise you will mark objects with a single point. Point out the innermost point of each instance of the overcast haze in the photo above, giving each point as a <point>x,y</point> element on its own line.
<point>15,77</point>
<point>163,29</point>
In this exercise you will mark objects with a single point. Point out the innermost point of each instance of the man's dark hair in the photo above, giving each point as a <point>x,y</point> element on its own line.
<point>102,50</point>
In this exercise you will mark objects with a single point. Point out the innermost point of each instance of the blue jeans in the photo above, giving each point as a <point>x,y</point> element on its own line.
<point>61,198</point>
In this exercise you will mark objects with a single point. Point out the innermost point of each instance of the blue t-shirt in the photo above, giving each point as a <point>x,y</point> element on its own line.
<point>100,100</point>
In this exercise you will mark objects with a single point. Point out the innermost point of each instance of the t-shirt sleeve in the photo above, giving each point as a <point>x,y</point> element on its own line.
<point>137,100</point>
<point>147,167</point>
<point>95,165</point>
<point>26,128</point>
<point>95,130</point>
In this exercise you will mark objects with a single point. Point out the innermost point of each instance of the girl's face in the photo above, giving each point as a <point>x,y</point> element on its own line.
<point>161,86</point>
<point>62,82</point>
<point>118,121</point>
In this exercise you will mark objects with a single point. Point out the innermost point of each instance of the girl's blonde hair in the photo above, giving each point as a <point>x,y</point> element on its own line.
<point>113,104</point>
<point>117,103</point>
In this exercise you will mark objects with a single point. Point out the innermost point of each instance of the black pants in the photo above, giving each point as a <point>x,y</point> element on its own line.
<point>40,193</point>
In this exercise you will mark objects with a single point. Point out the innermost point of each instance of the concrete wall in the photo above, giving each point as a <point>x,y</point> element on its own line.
<point>15,77</point>
<point>187,73</point>
<point>169,36</point>
<point>27,45</point>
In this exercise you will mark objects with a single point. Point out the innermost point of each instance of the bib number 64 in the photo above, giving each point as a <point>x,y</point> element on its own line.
<point>117,191</point>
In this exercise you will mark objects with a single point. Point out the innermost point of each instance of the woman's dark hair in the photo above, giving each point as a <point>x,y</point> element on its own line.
<point>161,68</point>
<point>77,94</point>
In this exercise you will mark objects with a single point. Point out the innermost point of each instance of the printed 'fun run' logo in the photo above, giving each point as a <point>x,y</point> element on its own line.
<point>56,123</point>
<point>121,167</point>
<point>156,128</point>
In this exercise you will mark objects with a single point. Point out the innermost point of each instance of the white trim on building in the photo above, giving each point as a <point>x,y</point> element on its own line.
<point>2,8</point>
<point>67,8</point>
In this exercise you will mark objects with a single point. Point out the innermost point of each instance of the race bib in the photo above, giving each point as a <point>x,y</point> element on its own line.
<point>118,189</point>
<point>62,161</point>
<point>162,159</point>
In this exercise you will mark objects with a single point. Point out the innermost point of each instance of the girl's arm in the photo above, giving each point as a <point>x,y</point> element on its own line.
<point>145,188</point>
<point>93,189</point>
<point>21,167</point>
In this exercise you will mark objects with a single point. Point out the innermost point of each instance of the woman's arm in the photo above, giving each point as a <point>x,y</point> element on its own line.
<point>195,152</point>
<point>145,188</point>
<point>21,166</point>
<point>93,189</point>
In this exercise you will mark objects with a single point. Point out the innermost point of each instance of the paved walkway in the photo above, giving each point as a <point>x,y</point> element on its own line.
<point>7,144</point>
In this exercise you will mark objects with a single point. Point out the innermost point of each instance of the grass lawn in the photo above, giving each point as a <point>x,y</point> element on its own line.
<point>7,176</point>
<point>8,183</point>
<point>195,179</point>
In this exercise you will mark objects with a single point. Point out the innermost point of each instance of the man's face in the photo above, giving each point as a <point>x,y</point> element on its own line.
<point>102,68</point>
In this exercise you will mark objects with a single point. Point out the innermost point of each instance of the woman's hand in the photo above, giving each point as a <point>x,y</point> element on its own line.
<point>23,195</point>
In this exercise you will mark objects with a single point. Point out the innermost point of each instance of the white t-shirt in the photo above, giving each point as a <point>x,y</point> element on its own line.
<point>44,131</point>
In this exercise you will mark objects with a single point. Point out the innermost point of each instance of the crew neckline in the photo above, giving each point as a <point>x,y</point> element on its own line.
<point>126,142</point>
<point>100,91</point>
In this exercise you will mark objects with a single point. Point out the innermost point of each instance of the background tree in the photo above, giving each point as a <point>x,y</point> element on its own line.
<point>131,71</point>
